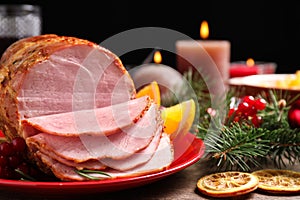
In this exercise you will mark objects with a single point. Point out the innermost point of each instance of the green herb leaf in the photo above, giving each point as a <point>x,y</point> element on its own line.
<point>86,173</point>
<point>26,177</point>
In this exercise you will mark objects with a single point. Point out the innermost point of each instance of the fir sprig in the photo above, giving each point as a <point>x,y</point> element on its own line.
<point>236,146</point>
<point>285,146</point>
<point>241,146</point>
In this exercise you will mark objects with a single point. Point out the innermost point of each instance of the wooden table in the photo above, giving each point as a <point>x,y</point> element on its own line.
<point>181,185</point>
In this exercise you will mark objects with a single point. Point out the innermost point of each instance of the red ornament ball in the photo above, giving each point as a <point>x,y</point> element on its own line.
<point>294,115</point>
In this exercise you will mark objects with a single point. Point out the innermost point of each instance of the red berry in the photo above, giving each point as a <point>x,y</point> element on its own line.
<point>249,99</point>
<point>18,144</point>
<point>236,119</point>
<point>256,120</point>
<point>12,157</point>
<point>6,149</point>
<point>251,112</point>
<point>25,169</point>
<point>6,172</point>
<point>14,161</point>
<point>231,111</point>
<point>260,104</point>
<point>243,107</point>
<point>3,161</point>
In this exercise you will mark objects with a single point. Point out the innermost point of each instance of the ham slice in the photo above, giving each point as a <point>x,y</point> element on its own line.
<point>136,159</point>
<point>162,159</point>
<point>117,146</point>
<point>102,121</point>
<point>90,164</point>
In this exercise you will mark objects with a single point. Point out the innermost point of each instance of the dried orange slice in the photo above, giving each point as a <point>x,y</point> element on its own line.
<point>227,184</point>
<point>278,181</point>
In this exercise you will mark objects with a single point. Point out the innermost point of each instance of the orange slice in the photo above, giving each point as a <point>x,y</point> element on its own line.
<point>227,184</point>
<point>278,181</point>
<point>178,118</point>
<point>152,90</point>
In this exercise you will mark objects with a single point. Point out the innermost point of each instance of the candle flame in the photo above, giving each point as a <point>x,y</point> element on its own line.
<point>250,62</point>
<point>204,30</point>
<point>157,57</point>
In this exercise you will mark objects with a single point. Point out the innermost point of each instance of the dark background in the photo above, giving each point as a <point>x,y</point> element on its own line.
<point>262,30</point>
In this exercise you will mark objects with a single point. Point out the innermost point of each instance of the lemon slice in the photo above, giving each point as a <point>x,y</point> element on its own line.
<point>278,181</point>
<point>179,118</point>
<point>152,90</point>
<point>227,184</point>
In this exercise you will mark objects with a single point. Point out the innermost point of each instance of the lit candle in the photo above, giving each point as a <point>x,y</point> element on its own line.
<point>157,57</point>
<point>250,67</point>
<point>204,55</point>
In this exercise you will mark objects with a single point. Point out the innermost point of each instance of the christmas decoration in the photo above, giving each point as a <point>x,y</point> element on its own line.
<point>256,128</point>
<point>294,115</point>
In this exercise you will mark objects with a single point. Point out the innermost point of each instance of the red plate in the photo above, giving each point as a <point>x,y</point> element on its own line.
<point>188,150</point>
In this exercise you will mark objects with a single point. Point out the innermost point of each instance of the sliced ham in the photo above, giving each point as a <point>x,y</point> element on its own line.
<point>90,164</point>
<point>119,145</point>
<point>162,159</point>
<point>101,121</point>
<point>131,140</point>
<point>136,159</point>
<point>132,161</point>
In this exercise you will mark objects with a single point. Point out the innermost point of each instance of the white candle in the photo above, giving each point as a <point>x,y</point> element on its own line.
<point>170,81</point>
<point>211,56</point>
<point>168,78</point>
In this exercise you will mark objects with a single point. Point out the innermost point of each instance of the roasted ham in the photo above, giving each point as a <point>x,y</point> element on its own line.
<point>52,74</point>
<point>74,103</point>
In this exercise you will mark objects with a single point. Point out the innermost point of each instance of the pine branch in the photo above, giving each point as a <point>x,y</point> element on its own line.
<point>241,146</point>
<point>284,141</point>
<point>235,147</point>
<point>285,146</point>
